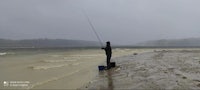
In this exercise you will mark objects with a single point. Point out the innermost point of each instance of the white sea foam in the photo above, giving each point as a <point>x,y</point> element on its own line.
<point>55,55</point>
<point>71,58</point>
<point>2,54</point>
<point>54,61</point>
<point>75,64</point>
<point>94,55</point>
<point>43,67</point>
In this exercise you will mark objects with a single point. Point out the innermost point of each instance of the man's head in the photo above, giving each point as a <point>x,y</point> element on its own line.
<point>108,43</point>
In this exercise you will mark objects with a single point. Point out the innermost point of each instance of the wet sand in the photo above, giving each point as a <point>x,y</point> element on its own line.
<point>160,69</point>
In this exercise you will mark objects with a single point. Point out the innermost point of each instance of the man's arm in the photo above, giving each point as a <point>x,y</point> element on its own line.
<point>102,48</point>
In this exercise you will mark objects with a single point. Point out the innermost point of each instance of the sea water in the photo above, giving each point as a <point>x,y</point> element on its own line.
<point>42,66</point>
<point>51,68</point>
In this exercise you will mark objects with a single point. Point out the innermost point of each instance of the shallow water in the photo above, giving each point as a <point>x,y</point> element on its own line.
<point>51,69</point>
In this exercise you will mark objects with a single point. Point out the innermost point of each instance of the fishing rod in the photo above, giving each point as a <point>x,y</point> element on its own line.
<point>93,28</point>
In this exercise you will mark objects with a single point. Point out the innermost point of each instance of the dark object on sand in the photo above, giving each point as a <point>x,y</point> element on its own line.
<point>101,68</point>
<point>112,64</point>
<point>135,53</point>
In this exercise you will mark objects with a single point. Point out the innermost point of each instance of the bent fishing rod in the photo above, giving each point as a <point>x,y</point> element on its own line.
<point>93,28</point>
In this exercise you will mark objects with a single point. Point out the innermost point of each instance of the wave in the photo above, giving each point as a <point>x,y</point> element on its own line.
<point>6,53</point>
<point>75,64</point>
<point>2,54</point>
<point>44,67</point>
<point>67,58</point>
<point>56,55</point>
<point>55,61</point>
<point>94,55</point>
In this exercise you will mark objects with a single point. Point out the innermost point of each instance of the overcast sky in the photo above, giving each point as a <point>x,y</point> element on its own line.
<point>119,21</point>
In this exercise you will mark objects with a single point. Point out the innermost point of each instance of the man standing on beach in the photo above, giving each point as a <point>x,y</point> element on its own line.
<point>108,51</point>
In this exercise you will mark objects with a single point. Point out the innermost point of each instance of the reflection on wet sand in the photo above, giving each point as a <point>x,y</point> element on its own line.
<point>108,74</point>
<point>110,80</point>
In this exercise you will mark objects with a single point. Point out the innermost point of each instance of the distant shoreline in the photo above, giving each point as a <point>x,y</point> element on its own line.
<point>96,47</point>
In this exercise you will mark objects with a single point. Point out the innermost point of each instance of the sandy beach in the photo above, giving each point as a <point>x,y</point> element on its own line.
<point>160,69</point>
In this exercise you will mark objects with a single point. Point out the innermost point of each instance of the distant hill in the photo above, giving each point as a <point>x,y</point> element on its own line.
<point>45,43</point>
<point>188,42</point>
